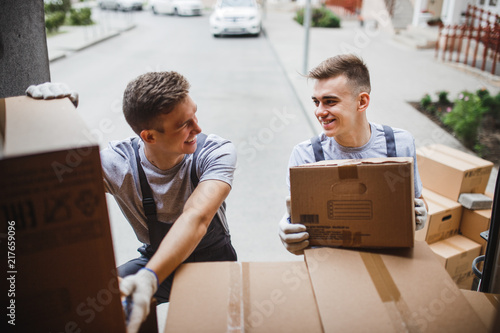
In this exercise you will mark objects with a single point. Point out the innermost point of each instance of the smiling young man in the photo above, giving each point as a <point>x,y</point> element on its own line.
<point>341,95</point>
<point>170,182</point>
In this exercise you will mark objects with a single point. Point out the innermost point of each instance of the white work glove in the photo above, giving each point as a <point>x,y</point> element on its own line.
<point>293,236</point>
<point>52,90</point>
<point>420,213</point>
<point>141,287</point>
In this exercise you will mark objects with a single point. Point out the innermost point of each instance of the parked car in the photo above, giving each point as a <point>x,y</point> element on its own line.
<point>121,4</point>
<point>236,17</point>
<point>177,7</point>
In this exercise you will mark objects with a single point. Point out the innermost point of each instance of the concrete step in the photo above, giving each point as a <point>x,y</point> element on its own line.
<point>418,37</point>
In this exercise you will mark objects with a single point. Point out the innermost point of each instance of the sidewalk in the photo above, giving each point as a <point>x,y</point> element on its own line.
<point>399,73</point>
<point>71,39</point>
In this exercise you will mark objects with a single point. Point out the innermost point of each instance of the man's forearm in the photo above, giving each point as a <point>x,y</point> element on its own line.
<point>177,245</point>
<point>188,230</point>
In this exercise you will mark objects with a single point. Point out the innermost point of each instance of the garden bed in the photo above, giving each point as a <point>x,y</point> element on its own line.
<point>473,118</point>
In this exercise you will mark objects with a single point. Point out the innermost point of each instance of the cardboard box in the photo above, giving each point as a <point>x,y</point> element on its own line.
<point>61,264</point>
<point>339,290</point>
<point>486,306</point>
<point>387,291</point>
<point>473,223</point>
<point>443,219</point>
<point>450,172</point>
<point>242,297</point>
<point>456,254</point>
<point>355,203</point>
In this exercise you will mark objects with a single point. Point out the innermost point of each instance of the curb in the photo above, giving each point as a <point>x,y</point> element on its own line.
<point>58,54</point>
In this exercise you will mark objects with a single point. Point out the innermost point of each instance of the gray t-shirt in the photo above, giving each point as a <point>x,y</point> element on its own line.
<point>171,188</point>
<point>375,147</point>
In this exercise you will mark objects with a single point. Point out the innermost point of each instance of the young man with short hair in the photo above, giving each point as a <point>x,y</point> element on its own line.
<point>341,95</point>
<point>170,182</point>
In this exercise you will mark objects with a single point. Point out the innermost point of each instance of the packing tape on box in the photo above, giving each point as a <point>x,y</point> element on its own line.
<point>397,309</point>
<point>348,172</point>
<point>453,246</point>
<point>235,319</point>
<point>494,300</point>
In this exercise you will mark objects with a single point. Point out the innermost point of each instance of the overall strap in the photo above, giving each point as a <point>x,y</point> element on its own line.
<point>148,201</point>
<point>200,141</point>
<point>389,141</point>
<point>317,149</point>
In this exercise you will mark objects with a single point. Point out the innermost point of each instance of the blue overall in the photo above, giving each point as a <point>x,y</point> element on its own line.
<point>214,246</point>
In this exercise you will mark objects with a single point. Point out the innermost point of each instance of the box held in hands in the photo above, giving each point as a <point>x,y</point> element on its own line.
<point>53,202</point>
<point>355,203</point>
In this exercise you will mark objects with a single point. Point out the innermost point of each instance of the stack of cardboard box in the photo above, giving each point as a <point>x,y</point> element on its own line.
<point>376,277</point>
<point>453,231</point>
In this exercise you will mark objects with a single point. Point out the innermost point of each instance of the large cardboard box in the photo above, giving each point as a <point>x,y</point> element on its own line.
<point>456,254</point>
<point>473,223</point>
<point>355,203</point>
<point>450,172</point>
<point>338,290</point>
<point>443,220</point>
<point>242,297</point>
<point>486,306</point>
<point>59,252</point>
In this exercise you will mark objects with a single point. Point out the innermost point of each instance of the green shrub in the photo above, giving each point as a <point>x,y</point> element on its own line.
<point>443,97</point>
<point>426,101</point>
<point>52,6</point>
<point>80,16</point>
<point>54,20</point>
<point>320,17</point>
<point>465,117</point>
<point>491,103</point>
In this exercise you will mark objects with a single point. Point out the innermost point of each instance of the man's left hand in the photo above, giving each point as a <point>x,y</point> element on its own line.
<point>52,90</point>
<point>420,213</point>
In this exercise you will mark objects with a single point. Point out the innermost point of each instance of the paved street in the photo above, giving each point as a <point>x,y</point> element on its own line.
<point>250,90</point>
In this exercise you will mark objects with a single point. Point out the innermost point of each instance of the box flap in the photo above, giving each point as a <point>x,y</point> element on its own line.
<point>391,290</point>
<point>242,297</point>
<point>34,126</point>
<point>450,156</point>
<point>347,162</point>
<point>455,245</point>
<point>487,306</point>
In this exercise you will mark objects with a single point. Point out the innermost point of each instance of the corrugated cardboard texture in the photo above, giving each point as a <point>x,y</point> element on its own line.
<point>473,223</point>
<point>457,254</point>
<point>64,267</point>
<point>404,290</point>
<point>35,126</point>
<point>355,203</point>
<point>487,306</point>
<point>242,297</point>
<point>449,171</point>
<point>443,220</point>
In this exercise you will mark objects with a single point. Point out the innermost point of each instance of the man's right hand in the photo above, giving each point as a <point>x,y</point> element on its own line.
<point>293,236</point>
<point>50,90</point>
<point>139,289</point>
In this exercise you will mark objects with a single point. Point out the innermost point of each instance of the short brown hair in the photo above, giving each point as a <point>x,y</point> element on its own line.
<point>349,65</point>
<point>151,95</point>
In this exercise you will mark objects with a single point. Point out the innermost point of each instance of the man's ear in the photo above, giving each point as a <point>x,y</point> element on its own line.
<point>148,136</point>
<point>363,101</point>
